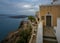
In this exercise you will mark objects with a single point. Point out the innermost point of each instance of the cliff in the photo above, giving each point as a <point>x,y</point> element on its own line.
<point>22,35</point>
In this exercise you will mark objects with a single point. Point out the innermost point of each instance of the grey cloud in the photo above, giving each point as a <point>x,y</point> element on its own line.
<point>17,6</point>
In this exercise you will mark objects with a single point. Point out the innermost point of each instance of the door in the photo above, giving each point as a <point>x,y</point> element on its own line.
<point>48,21</point>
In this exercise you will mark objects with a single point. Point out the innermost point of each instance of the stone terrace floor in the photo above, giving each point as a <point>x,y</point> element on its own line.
<point>49,35</point>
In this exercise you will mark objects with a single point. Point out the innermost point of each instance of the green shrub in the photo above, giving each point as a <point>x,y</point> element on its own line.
<point>21,40</point>
<point>31,18</point>
<point>24,36</point>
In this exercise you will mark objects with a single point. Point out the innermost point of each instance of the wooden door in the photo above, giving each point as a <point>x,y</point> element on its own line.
<point>48,21</point>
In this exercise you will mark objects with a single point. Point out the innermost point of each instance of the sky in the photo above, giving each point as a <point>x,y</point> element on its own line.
<point>21,7</point>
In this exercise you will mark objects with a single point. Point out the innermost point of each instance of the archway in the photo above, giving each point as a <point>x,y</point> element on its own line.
<point>48,21</point>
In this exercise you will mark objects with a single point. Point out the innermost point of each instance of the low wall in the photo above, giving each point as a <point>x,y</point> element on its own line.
<point>58,30</point>
<point>40,33</point>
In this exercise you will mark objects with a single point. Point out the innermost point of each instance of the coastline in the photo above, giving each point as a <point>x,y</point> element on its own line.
<point>13,36</point>
<point>8,25</point>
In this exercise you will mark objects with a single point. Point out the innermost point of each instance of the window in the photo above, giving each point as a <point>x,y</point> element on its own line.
<point>42,17</point>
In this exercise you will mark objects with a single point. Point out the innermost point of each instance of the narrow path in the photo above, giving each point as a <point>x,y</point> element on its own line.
<point>33,36</point>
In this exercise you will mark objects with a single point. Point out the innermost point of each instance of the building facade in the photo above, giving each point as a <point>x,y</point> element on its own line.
<point>49,14</point>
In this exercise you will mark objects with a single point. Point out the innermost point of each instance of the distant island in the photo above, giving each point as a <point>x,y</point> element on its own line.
<point>18,16</point>
<point>15,16</point>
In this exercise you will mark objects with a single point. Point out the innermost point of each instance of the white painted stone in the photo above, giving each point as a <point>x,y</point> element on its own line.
<point>40,33</point>
<point>58,30</point>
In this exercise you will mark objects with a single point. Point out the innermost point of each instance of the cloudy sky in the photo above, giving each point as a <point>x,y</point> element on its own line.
<point>21,7</point>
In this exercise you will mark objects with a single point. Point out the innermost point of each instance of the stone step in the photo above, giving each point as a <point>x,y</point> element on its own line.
<point>48,40</point>
<point>49,37</point>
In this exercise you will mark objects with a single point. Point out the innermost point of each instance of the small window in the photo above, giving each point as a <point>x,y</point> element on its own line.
<point>42,17</point>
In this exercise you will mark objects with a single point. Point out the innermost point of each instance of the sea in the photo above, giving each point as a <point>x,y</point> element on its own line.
<point>8,25</point>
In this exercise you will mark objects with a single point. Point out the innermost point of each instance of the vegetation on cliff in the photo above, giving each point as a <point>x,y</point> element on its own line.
<point>31,18</point>
<point>24,36</point>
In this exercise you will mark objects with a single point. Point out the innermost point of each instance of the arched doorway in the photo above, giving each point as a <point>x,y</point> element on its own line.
<point>48,21</point>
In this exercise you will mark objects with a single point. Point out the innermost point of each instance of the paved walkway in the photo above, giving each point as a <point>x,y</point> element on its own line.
<point>39,38</point>
<point>49,35</point>
<point>48,31</point>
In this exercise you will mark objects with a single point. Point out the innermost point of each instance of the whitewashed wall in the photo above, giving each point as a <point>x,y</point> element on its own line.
<point>58,30</point>
<point>39,38</point>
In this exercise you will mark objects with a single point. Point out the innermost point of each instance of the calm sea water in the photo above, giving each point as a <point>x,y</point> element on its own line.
<point>8,25</point>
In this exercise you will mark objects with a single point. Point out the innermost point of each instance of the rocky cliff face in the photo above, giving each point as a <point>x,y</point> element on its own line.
<point>24,29</point>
